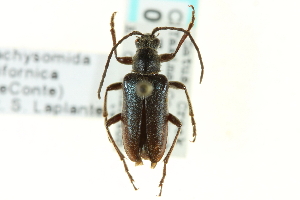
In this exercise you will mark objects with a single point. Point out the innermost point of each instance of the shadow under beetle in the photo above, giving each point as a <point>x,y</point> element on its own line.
<point>145,113</point>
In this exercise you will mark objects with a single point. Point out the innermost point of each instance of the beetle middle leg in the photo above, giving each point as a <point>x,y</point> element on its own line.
<point>108,123</point>
<point>114,86</point>
<point>174,120</point>
<point>179,85</point>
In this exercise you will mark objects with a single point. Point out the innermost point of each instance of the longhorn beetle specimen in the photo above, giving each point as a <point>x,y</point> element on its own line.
<point>145,113</point>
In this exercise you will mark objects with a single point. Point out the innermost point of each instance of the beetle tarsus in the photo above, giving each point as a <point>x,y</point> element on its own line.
<point>164,175</point>
<point>160,185</point>
<point>194,134</point>
<point>194,130</point>
<point>129,175</point>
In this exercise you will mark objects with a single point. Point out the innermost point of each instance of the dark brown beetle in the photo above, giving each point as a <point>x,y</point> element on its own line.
<point>145,113</point>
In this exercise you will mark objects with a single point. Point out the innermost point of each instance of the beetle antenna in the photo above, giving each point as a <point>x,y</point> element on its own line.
<point>193,18</point>
<point>186,33</point>
<point>192,40</point>
<point>110,55</point>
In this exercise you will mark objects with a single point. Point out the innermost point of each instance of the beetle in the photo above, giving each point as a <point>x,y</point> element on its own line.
<point>145,115</point>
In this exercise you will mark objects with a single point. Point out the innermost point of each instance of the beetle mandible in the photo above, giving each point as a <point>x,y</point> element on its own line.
<point>145,113</point>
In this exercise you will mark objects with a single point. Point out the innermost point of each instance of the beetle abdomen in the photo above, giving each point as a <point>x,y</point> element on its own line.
<point>144,116</point>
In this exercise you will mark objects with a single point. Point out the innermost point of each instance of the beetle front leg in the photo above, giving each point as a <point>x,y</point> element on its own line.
<point>174,120</point>
<point>108,123</point>
<point>123,60</point>
<point>178,85</point>
<point>114,86</point>
<point>169,56</point>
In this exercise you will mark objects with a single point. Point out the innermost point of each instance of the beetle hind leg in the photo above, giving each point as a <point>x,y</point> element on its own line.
<point>108,123</point>
<point>174,120</point>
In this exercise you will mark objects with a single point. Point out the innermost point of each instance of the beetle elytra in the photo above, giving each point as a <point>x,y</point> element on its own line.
<point>145,115</point>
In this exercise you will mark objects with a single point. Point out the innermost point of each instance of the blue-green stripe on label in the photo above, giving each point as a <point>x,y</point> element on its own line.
<point>134,5</point>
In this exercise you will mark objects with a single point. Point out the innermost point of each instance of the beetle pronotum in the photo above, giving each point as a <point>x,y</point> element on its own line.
<point>145,113</point>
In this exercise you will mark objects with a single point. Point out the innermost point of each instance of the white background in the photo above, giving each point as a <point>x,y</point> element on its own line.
<point>247,108</point>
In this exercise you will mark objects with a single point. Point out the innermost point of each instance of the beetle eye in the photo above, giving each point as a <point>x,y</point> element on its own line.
<point>156,41</point>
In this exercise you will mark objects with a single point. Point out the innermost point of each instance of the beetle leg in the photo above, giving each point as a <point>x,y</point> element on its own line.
<point>114,86</point>
<point>169,56</point>
<point>174,120</point>
<point>178,85</point>
<point>108,123</point>
<point>123,60</point>
<point>110,55</point>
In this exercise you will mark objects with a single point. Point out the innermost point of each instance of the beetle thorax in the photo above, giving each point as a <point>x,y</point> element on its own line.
<point>146,60</point>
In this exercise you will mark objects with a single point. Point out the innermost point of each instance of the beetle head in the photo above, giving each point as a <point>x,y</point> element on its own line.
<point>147,41</point>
